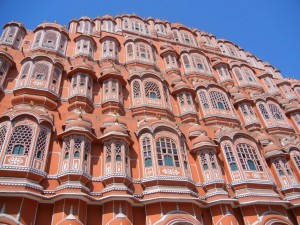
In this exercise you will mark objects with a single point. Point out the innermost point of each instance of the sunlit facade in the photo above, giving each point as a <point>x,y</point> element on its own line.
<point>124,120</point>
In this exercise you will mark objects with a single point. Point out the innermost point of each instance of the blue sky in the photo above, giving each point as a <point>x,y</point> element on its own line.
<point>269,29</point>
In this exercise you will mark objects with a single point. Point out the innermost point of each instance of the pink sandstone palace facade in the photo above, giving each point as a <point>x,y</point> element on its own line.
<point>124,120</point>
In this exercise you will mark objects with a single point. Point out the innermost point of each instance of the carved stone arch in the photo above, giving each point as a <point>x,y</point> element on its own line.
<point>14,115</point>
<point>273,218</point>
<point>9,220</point>
<point>178,217</point>
<point>227,219</point>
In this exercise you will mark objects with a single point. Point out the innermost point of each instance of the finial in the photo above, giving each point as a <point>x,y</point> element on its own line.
<point>55,21</point>
<point>31,104</point>
<point>3,209</point>
<point>115,113</point>
<point>158,116</point>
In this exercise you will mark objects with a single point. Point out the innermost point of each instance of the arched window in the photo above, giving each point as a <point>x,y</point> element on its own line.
<point>186,61</point>
<point>41,144</point>
<point>41,71</point>
<point>118,153</point>
<point>67,148</point>
<point>20,140</point>
<point>136,89</point>
<point>204,100</point>
<point>276,112</point>
<point>238,74</point>
<point>3,132</point>
<point>283,168</point>
<point>147,152</point>
<point>230,158</point>
<point>4,67</point>
<point>200,63</point>
<point>218,100</point>
<point>264,111</point>
<point>170,61</point>
<point>143,52</point>
<point>108,26</point>
<point>18,150</point>
<point>152,90</point>
<point>50,39</point>
<point>160,29</point>
<point>76,154</point>
<point>85,26</point>
<point>176,35</point>
<point>84,46</point>
<point>248,157</point>
<point>296,158</point>
<point>223,73</point>
<point>167,153</point>
<point>129,49</point>
<point>109,49</point>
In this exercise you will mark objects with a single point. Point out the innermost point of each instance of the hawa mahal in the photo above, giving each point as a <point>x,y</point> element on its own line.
<point>123,120</point>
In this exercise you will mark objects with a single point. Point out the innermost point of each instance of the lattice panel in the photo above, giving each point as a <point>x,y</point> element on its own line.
<point>50,39</point>
<point>218,97</point>
<point>3,132</point>
<point>136,89</point>
<point>151,87</point>
<point>41,144</point>
<point>22,135</point>
<point>246,152</point>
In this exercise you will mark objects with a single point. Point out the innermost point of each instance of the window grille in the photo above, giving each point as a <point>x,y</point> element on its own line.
<point>296,158</point>
<point>108,151</point>
<point>136,89</point>
<point>218,100</point>
<point>147,152</point>
<point>67,148</point>
<point>42,68</point>
<point>3,132</point>
<point>50,39</point>
<point>264,111</point>
<point>167,153</point>
<point>248,157</point>
<point>276,112</point>
<point>41,144</point>
<point>230,158</point>
<point>204,100</point>
<point>152,90</point>
<point>37,39</point>
<point>21,135</point>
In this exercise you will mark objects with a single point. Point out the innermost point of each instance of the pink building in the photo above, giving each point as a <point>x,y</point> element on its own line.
<point>124,120</point>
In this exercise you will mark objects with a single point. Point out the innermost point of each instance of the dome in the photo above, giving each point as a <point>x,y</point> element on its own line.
<point>239,96</point>
<point>116,128</point>
<point>175,79</point>
<point>180,85</point>
<point>113,119</point>
<point>202,141</point>
<point>272,150</point>
<point>196,130</point>
<point>263,136</point>
<point>78,121</point>
<point>233,90</point>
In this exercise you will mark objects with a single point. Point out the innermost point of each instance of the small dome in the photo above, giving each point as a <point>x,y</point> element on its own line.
<point>180,85</point>
<point>263,137</point>
<point>175,79</point>
<point>115,128</point>
<point>118,221</point>
<point>292,105</point>
<point>78,121</point>
<point>233,90</point>
<point>239,96</point>
<point>112,120</point>
<point>202,141</point>
<point>272,150</point>
<point>196,130</point>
